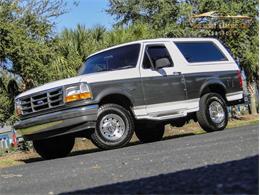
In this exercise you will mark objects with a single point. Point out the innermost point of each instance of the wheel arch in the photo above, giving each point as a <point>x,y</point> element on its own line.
<point>214,86</point>
<point>115,96</point>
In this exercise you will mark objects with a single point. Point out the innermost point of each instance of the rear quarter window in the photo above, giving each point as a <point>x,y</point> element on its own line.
<point>205,51</point>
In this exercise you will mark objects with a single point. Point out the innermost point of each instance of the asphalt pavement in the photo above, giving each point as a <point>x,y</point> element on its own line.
<point>212,163</point>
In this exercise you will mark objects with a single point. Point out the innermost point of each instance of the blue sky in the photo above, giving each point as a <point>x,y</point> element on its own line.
<point>88,12</point>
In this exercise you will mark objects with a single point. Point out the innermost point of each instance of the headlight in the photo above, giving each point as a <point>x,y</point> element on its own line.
<point>77,92</point>
<point>18,107</point>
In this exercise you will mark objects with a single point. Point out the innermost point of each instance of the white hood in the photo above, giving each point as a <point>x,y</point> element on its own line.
<point>89,78</point>
<point>51,85</point>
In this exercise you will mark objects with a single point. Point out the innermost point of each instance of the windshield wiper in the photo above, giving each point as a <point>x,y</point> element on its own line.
<point>101,70</point>
<point>124,67</point>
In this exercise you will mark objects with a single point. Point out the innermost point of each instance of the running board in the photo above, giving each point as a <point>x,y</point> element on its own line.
<point>164,117</point>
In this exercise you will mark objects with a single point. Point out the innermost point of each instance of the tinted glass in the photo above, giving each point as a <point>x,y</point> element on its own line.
<point>146,61</point>
<point>155,53</point>
<point>200,51</point>
<point>114,59</point>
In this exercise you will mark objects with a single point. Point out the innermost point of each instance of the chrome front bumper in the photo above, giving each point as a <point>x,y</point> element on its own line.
<point>58,123</point>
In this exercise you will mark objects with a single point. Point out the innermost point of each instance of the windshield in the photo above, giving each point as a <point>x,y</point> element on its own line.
<point>115,59</point>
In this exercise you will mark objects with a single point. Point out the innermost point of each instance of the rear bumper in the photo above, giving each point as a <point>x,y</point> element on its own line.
<point>58,123</point>
<point>235,98</point>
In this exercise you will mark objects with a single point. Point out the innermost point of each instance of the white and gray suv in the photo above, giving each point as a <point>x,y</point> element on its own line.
<point>135,87</point>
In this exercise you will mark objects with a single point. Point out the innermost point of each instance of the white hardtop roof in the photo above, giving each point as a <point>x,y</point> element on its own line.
<point>154,40</point>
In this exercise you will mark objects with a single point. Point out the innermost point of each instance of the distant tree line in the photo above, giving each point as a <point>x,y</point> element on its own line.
<point>31,53</point>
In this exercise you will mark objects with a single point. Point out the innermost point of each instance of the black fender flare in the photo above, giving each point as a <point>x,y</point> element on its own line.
<point>113,91</point>
<point>211,82</point>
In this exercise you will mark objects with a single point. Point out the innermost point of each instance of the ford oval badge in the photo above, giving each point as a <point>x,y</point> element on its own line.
<point>40,102</point>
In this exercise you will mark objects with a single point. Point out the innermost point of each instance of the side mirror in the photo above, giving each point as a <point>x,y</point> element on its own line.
<point>162,62</point>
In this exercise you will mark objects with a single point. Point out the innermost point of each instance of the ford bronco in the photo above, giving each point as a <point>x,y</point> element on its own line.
<point>135,87</point>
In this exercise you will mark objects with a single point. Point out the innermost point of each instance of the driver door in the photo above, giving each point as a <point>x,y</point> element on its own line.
<point>162,87</point>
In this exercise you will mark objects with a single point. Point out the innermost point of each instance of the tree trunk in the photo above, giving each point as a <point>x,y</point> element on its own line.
<point>253,105</point>
<point>252,91</point>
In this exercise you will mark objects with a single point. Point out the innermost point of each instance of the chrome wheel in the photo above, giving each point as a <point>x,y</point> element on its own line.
<point>216,112</point>
<point>112,127</point>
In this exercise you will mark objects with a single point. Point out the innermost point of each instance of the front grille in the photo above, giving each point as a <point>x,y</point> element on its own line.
<point>42,101</point>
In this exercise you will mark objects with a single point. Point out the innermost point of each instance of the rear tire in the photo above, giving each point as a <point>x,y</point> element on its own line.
<point>149,133</point>
<point>212,115</point>
<point>56,147</point>
<point>114,128</point>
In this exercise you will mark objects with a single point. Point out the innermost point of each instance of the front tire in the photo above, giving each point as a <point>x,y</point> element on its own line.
<point>150,132</point>
<point>56,147</point>
<point>114,128</point>
<point>212,115</point>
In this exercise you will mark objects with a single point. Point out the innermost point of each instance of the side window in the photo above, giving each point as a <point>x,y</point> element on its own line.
<point>153,53</point>
<point>205,51</point>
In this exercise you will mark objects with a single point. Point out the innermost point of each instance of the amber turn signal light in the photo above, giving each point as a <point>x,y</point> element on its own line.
<point>80,96</point>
